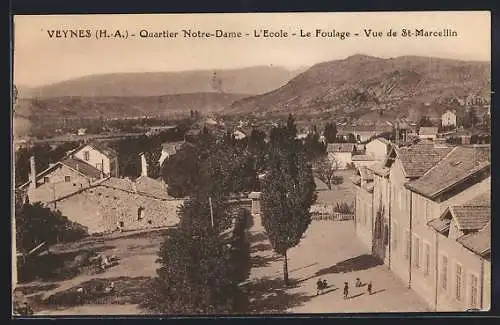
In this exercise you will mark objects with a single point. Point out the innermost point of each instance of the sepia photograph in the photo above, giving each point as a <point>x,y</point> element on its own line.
<point>251,163</point>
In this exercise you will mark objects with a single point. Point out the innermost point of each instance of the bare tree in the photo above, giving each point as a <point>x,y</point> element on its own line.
<point>325,169</point>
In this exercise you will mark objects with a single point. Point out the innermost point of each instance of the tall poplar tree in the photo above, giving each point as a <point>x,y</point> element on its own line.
<point>288,191</point>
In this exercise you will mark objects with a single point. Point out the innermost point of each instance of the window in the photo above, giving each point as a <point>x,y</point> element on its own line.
<point>458,281</point>
<point>67,178</point>
<point>46,179</point>
<point>408,245</point>
<point>444,272</point>
<point>86,155</point>
<point>417,252</point>
<point>473,291</point>
<point>140,213</point>
<point>427,259</point>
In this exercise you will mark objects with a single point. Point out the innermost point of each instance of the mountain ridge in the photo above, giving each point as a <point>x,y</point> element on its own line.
<point>363,82</point>
<point>247,80</point>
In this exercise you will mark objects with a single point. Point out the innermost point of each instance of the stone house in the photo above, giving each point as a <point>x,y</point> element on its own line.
<point>120,204</point>
<point>59,179</point>
<point>98,155</point>
<point>340,153</point>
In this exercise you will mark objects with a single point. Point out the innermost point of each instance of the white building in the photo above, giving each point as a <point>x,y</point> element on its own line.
<point>340,153</point>
<point>449,118</point>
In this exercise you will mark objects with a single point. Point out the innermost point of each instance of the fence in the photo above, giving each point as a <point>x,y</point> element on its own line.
<point>332,216</point>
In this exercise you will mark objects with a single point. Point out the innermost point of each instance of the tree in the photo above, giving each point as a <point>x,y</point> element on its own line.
<point>325,169</point>
<point>288,191</point>
<point>330,132</point>
<point>36,224</point>
<point>194,277</point>
<point>181,171</point>
<point>313,147</point>
<point>425,122</point>
<point>199,270</point>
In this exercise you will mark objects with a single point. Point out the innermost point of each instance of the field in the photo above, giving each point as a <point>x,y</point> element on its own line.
<point>53,291</point>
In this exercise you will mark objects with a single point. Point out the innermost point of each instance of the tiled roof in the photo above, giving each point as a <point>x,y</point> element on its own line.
<point>440,224</point>
<point>151,187</point>
<point>340,147</point>
<point>82,167</point>
<point>478,242</point>
<point>362,158</point>
<point>383,140</point>
<point>483,199</point>
<point>379,169</point>
<point>471,217</point>
<point>460,163</point>
<point>123,184</point>
<point>430,130</point>
<point>143,185</point>
<point>418,159</point>
<point>104,149</point>
<point>365,173</point>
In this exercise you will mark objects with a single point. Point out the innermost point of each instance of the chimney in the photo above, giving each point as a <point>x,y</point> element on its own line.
<point>144,165</point>
<point>32,172</point>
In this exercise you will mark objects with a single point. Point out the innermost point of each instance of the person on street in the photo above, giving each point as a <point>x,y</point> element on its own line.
<point>370,288</point>
<point>346,290</point>
<point>358,282</point>
<point>319,286</point>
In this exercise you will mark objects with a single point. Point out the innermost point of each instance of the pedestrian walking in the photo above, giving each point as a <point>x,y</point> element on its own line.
<point>346,290</point>
<point>370,288</point>
<point>358,282</point>
<point>319,286</point>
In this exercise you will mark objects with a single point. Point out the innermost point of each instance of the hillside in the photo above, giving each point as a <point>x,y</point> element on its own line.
<point>358,84</point>
<point>45,109</point>
<point>250,81</point>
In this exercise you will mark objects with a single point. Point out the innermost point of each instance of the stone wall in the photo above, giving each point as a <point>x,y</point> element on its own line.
<point>104,209</point>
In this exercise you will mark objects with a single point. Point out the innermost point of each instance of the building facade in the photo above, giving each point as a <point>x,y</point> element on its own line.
<point>99,156</point>
<point>448,119</point>
<point>340,154</point>
<point>416,193</point>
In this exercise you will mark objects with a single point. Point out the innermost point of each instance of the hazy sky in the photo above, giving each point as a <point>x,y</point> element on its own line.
<point>39,59</point>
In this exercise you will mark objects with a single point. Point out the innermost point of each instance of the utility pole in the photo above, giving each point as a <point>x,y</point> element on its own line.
<point>211,211</point>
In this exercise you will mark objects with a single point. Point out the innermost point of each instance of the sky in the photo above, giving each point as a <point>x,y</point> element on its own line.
<point>39,59</point>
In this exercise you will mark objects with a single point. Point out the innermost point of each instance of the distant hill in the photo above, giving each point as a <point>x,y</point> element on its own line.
<point>360,84</point>
<point>73,107</point>
<point>250,81</point>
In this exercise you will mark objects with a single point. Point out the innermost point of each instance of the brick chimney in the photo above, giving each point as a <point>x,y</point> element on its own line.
<point>144,165</point>
<point>32,172</point>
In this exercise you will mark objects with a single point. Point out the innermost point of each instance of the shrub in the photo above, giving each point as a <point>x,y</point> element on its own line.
<point>344,208</point>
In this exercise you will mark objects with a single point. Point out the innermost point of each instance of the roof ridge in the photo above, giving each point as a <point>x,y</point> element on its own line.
<point>436,164</point>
